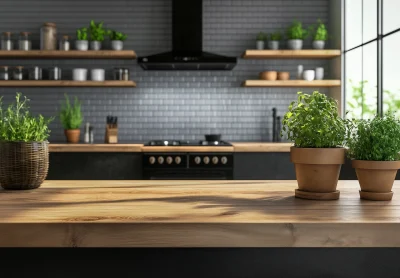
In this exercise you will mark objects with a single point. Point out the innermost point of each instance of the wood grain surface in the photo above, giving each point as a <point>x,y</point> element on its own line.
<point>95,148</point>
<point>65,83</point>
<point>291,54</point>
<point>71,54</point>
<point>291,83</point>
<point>194,214</point>
<point>261,147</point>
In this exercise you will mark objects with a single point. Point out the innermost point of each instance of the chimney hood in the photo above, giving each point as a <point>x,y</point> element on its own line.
<point>187,41</point>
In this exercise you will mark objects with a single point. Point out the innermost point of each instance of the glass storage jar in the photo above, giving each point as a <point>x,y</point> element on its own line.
<point>18,73</point>
<point>24,42</point>
<point>4,73</point>
<point>6,42</point>
<point>118,72</point>
<point>48,36</point>
<point>64,43</point>
<point>125,74</point>
<point>54,73</point>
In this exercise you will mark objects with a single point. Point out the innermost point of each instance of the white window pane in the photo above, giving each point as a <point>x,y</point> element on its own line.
<point>391,80</point>
<point>370,72</point>
<point>369,20</point>
<point>391,17</point>
<point>353,23</point>
<point>353,79</point>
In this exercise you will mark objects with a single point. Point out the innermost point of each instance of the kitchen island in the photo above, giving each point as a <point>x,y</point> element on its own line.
<point>193,214</point>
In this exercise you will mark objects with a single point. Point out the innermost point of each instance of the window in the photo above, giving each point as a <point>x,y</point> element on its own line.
<point>372,34</point>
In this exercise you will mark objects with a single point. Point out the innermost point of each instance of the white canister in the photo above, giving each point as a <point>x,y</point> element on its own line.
<point>97,74</point>
<point>79,74</point>
<point>309,75</point>
<point>319,73</point>
<point>300,72</point>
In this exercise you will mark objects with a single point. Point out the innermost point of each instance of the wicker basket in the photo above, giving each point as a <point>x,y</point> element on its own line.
<point>23,165</point>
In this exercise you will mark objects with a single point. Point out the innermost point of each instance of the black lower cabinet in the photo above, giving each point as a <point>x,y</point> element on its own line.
<point>95,166</point>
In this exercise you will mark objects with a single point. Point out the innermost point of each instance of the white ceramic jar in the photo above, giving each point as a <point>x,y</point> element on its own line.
<point>319,73</point>
<point>79,74</point>
<point>309,75</point>
<point>97,74</point>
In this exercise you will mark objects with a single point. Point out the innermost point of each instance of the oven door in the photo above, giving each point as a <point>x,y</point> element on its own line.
<point>187,174</point>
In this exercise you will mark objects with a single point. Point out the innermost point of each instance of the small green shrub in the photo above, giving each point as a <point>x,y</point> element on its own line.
<point>82,34</point>
<point>313,122</point>
<point>97,32</point>
<point>71,115</point>
<point>296,31</point>
<point>377,139</point>
<point>18,125</point>
<point>276,36</point>
<point>117,36</point>
<point>321,33</point>
<point>261,36</point>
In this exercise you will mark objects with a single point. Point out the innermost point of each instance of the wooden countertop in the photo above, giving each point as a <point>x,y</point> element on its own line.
<point>194,214</point>
<point>237,147</point>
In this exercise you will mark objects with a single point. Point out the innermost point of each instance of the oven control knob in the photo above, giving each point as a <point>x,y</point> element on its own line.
<point>197,160</point>
<point>224,160</point>
<point>169,160</point>
<point>178,160</point>
<point>152,160</point>
<point>160,160</point>
<point>215,160</point>
<point>206,160</point>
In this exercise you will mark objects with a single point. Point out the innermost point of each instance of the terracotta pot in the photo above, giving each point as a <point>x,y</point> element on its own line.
<point>283,75</point>
<point>317,169</point>
<point>376,177</point>
<point>268,75</point>
<point>72,135</point>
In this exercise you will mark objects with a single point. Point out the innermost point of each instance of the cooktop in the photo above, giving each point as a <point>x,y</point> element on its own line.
<point>177,143</point>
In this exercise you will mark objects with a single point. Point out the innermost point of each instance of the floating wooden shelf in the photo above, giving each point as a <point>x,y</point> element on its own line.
<point>291,83</point>
<point>71,54</point>
<point>291,54</point>
<point>65,83</point>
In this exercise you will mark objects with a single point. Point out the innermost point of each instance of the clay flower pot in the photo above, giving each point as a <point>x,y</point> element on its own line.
<point>317,171</point>
<point>268,75</point>
<point>283,75</point>
<point>72,135</point>
<point>376,178</point>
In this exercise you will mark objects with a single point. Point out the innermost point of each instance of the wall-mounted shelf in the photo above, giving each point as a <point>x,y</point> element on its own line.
<point>71,54</point>
<point>291,54</point>
<point>291,83</point>
<point>66,83</point>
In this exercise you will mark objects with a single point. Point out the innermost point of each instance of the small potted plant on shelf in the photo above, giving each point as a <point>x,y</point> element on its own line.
<point>71,119</point>
<point>295,35</point>
<point>97,33</point>
<point>320,35</point>
<point>24,153</point>
<point>117,39</point>
<point>260,40</point>
<point>314,125</point>
<point>374,147</point>
<point>81,42</point>
<point>274,39</point>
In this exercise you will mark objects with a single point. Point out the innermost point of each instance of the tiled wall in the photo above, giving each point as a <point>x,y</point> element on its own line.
<point>173,104</point>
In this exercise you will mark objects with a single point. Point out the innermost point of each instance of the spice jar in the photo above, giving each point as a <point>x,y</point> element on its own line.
<point>118,73</point>
<point>55,73</point>
<point>24,43</point>
<point>6,42</point>
<point>64,43</point>
<point>35,73</point>
<point>48,36</point>
<point>18,73</point>
<point>125,74</point>
<point>4,73</point>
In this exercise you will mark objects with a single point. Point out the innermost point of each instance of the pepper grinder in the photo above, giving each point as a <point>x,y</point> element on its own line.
<point>87,137</point>
<point>274,125</point>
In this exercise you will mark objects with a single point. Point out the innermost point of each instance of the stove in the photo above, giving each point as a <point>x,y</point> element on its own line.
<point>188,165</point>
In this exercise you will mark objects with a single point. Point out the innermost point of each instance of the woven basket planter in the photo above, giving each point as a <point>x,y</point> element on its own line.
<point>23,165</point>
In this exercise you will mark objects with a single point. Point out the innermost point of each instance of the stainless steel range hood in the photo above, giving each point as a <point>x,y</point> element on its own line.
<point>187,40</point>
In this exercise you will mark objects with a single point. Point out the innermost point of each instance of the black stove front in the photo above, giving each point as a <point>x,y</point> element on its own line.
<point>177,143</point>
<point>188,166</point>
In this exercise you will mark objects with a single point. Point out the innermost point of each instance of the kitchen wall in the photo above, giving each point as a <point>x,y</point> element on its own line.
<point>168,104</point>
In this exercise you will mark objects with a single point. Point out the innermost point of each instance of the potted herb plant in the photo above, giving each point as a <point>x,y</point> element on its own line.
<point>320,35</point>
<point>314,125</point>
<point>260,40</point>
<point>71,119</point>
<point>117,39</point>
<point>24,149</point>
<point>97,34</point>
<point>81,42</point>
<point>295,35</point>
<point>374,147</point>
<point>274,39</point>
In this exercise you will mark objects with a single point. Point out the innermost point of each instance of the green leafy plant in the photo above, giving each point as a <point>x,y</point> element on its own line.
<point>313,122</point>
<point>18,125</point>
<point>97,32</point>
<point>71,115</point>
<point>82,34</point>
<point>296,31</point>
<point>117,36</point>
<point>377,139</point>
<point>276,36</point>
<point>321,33</point>
<point>261,36</point>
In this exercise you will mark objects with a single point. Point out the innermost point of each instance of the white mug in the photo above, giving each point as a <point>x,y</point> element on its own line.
<point>309,75</point>
<point>79,74</point>
<point>319,73</point>
<point>97,74</point>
